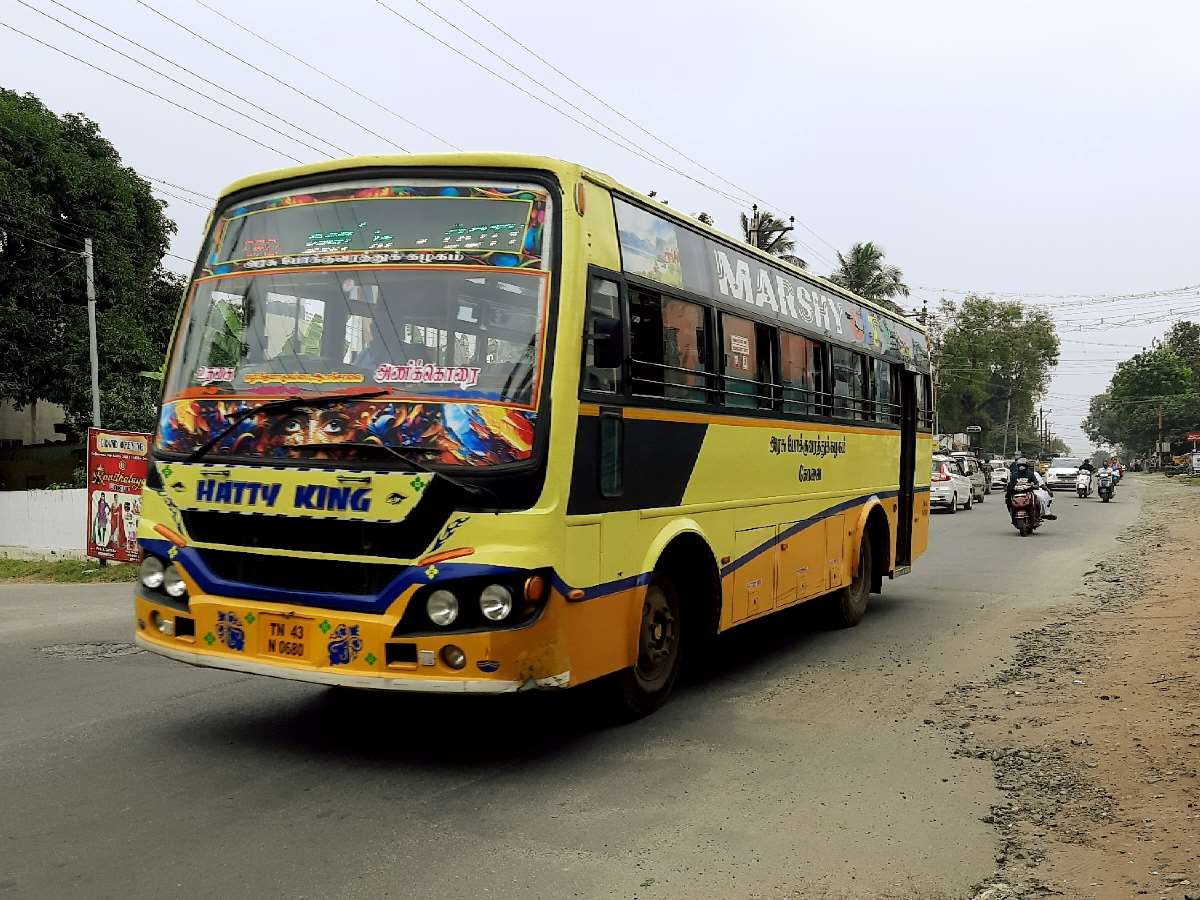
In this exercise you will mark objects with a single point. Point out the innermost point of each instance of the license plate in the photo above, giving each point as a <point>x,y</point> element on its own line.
<point>286,637</point>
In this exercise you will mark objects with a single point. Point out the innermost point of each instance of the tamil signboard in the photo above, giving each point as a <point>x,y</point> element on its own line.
<point>116,471</point>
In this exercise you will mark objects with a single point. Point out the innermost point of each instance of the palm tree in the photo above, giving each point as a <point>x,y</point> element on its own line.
<point>767,231</point>
<point>863,271</point>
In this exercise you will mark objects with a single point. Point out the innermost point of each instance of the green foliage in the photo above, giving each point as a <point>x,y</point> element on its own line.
<point>61,181</point>
<point>769,232</point>
<point>986,354</point>
<point>1155,381</point>
<point>863,271</point>
<point>64,571</point>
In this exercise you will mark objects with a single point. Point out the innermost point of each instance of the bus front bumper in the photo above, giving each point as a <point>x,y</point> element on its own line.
<point>348,650</point>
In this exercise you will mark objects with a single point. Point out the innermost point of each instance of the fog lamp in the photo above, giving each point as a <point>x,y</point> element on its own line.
<point>165,626</point>
<point>453,656</point>
<point>150,573</point>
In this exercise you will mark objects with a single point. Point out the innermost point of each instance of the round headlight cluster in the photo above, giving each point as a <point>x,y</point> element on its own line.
<point>172,581</point>
<point>150,573</point>
<point>496,602</point>
<point>442,608</point>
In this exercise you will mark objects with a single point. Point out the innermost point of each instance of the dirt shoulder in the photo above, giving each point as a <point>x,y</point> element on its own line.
<point>1094,730</point>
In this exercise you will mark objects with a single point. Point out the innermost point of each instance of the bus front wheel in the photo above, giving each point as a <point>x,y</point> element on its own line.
<point>645,686</point>
<point>848,605</point>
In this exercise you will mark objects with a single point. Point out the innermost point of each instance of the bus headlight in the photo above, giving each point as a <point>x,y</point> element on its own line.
<point>496,602</point>
<point>173,582</point>
<point>442,608</point>
<point>150,573</point>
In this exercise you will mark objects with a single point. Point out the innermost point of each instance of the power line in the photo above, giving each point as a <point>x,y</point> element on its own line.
<point>387,109</point>
<point>620,142</point>
<point>635,124</point>
<point>276,79</point>
<point>8,229</point>
<point>195,75</point>
<point>179,197</point>
<point>146,90</point>
<point>178,187</point>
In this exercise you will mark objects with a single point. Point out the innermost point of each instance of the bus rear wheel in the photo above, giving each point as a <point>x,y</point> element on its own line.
<point>646,685</point>
<point>848,605</point>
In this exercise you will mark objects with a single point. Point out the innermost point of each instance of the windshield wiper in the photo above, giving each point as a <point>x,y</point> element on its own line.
<point>273,406</point>
<point>477,490</point>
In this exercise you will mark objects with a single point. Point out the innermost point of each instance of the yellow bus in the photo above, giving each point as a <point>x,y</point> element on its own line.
<point>487,422</point>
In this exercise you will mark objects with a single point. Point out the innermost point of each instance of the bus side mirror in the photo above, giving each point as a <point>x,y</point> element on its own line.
<point>608,348</point>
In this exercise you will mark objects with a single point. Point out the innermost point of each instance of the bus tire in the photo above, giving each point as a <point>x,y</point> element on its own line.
<point>645,686</point>
<point>848,605</point>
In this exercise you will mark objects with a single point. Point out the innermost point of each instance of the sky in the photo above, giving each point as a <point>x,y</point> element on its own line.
<point>1036,151</point>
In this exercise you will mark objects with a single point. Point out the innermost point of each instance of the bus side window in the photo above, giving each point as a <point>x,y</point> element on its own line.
<point>886,394</point>
<point>668,338</point>
<point>803,374</point>
<point>849,384</point>
<point>604,342</point>
<point>739,361</point>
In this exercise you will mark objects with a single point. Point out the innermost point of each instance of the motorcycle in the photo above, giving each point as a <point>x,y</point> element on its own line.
<point>1106,484</point>
<point>1024,508</point>
<point>1083,484</point>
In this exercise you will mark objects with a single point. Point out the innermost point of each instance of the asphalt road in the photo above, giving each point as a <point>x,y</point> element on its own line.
<point>798,766</point>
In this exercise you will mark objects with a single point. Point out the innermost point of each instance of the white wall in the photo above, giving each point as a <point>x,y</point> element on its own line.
<point>44,520</point>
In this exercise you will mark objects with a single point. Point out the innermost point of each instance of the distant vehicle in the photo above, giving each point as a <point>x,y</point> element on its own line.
<point>999,477</point>
<point>1062,472</point>
<point>980,483</point>
<point>949,485</point>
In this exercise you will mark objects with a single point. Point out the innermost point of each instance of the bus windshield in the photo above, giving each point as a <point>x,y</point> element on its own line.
<point>435,295</point>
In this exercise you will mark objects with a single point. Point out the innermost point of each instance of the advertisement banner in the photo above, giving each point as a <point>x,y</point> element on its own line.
<point>116,471</point>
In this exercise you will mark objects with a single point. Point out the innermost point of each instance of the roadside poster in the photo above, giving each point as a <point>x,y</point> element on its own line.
<point>1193,436</point>
<point>1196,462</point>
<point>116,467</point>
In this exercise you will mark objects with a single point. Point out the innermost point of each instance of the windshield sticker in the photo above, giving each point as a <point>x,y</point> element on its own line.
<point>359,258</point>
<point>205,374</point>
<point>415,372</point>
<point>303,378</point>
<point>446,433</point>
<point>422,224</point>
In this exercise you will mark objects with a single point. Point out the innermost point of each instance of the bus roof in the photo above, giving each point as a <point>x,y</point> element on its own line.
<point>567,170</point>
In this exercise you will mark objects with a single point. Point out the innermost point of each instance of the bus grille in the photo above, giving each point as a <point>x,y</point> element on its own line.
<point>401,540</point>
<point>297,573</point>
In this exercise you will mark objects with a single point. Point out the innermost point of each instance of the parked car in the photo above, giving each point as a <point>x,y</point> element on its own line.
<point>980,482</point>
<point>949,486</point>
<point>1062,472</point>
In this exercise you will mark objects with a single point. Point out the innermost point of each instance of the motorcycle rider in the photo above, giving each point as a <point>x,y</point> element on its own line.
<point>1022,469</point>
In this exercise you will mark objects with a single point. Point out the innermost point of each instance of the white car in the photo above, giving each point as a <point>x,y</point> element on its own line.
<point>1062,472</point>
<point>999,475</point>
<point>949,485</point>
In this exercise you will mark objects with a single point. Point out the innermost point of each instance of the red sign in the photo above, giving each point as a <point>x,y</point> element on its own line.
<point>116,466</point>
<point>1193,435</point>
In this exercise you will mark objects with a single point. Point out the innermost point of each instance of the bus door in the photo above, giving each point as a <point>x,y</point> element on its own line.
<point>908,457</point>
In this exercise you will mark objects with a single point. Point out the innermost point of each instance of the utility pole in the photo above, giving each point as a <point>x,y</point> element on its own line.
<point>1158,447</point>
<point>95,354</point>
<point>1007,413</point>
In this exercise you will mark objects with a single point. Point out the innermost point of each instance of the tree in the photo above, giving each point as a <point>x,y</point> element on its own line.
<point>61,181</point>
<point>1151,383</point>
<point>863,271</point>
<point>768,232</point>
<point>992,360</point>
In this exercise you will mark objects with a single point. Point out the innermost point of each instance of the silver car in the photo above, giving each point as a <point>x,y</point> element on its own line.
<point>980,485</point>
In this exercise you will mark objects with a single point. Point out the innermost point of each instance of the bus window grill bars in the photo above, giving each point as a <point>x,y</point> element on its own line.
<point>766,394</point>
